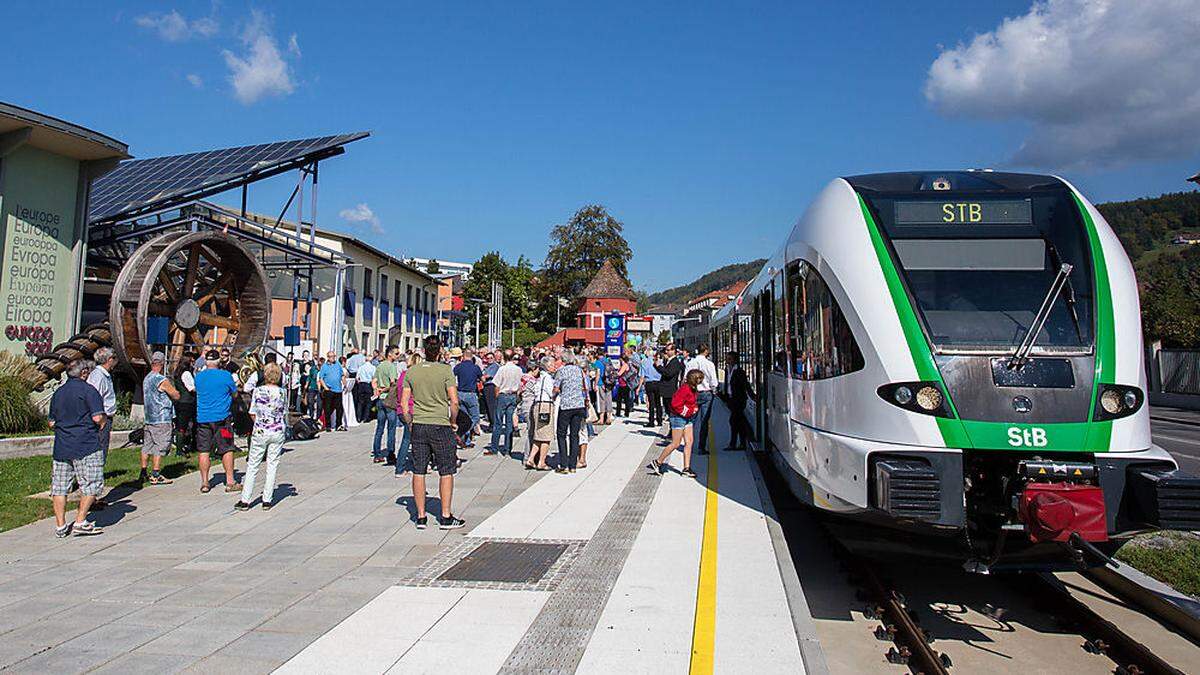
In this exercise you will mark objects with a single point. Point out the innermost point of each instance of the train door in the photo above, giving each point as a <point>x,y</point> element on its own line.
<point>761,366</point>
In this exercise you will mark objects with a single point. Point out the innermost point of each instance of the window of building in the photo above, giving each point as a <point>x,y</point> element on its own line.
<point>368,289</point>
<point>823,345</point>
<point>365,344</point>
<point>383,287</point>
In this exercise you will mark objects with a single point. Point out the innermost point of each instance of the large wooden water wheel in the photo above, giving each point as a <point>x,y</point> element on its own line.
<point>205,286</point>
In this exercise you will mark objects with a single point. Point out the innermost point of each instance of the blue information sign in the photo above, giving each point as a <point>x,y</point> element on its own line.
<point>614,333</point>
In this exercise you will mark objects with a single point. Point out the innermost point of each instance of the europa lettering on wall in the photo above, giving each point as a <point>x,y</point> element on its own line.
<point>37,276</point>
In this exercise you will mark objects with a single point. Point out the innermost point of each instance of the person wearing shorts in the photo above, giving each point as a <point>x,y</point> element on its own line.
<point>158,394</point>
<point>215,390</point>
<point>76,415</point>
<point>429,403</point>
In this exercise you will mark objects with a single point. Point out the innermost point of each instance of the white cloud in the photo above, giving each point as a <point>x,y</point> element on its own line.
<point>261,70</point>
<point>195,80</point>
<point>173,27</point>
<point>1099,82</point>
<point>294,46</point>
<point>361,215</point>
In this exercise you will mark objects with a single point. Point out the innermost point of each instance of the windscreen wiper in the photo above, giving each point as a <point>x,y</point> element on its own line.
<point>1021,356</point>
<point>1070,299</point>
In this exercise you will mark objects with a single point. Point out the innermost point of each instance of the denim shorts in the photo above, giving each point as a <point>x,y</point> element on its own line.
<point>678,422</point>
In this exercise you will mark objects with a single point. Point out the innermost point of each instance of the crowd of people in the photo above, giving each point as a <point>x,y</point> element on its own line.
<point>427,406</point>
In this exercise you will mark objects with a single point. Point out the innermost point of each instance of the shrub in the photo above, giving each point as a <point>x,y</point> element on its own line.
<point>17,413</point>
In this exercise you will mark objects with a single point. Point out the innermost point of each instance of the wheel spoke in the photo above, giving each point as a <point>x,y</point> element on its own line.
<point>210,291</point>
<point>193,266</point>
<point>168,285</point>
<point>228,323</point>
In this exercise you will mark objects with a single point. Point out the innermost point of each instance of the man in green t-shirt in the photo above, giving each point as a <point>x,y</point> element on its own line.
<point>433,391</point>
<point>384,385</point>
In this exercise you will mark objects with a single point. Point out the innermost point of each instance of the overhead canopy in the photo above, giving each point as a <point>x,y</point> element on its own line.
<point>142,185</point>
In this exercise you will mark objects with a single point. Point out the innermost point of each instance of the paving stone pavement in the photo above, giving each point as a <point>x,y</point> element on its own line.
<point>180,582</point>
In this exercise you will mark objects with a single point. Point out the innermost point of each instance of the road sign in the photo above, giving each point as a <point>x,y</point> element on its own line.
<point>614,333</point>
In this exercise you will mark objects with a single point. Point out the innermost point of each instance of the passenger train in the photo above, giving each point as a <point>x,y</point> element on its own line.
<point>959,355</point>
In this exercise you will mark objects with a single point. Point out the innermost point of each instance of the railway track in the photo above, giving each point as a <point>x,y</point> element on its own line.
<point>936,620</point>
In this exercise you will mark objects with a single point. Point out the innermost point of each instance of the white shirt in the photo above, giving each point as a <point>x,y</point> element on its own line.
<point>701,363</point>
<point>189,382</point>
<point>507,379</point>
<point>101,380</point>
<point>251,382</point>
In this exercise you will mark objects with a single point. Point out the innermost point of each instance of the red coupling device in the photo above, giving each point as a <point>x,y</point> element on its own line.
<point>1052,511</point>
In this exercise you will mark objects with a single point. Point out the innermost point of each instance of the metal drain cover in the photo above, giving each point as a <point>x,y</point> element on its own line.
<point>508,562</point>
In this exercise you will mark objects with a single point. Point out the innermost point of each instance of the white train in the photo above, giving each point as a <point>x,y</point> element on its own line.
<point>959,354</point>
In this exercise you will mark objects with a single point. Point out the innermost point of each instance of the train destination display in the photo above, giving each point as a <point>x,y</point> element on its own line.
<point>965,212</point>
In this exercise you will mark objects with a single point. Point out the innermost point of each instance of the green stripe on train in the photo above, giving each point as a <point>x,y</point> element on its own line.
<point>953,434</point>
<point>1100,433</point>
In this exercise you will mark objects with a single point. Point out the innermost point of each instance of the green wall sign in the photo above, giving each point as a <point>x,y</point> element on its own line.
<point>38,280</point>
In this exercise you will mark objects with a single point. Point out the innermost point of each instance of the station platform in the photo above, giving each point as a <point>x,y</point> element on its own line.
<point>610,569</point>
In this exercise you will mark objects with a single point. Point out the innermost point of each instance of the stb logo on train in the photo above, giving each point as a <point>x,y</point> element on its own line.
<point>1033,437</point>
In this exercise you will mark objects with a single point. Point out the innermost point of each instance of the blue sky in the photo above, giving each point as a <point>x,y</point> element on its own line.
<point>705,127</point>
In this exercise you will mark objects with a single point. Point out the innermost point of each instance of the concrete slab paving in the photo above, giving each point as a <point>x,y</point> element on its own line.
<point>180,580</point>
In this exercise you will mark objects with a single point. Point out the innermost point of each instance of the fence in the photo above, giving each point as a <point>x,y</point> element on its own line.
<point>1179,370</point>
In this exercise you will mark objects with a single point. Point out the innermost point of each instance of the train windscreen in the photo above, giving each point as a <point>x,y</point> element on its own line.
<point>979,266</point>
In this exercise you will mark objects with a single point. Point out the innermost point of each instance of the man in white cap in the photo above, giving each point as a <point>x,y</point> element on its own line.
<point>158,394</point>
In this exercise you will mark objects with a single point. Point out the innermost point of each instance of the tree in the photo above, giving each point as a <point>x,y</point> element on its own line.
<point>433,267</point>
<point>577,250</point>
<point>514,279</point>
<point>525,337</point>
<point>664,337</point>
<point>1171,298</point>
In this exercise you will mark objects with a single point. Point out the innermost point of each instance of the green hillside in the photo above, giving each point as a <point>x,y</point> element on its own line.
<point>1168,274</point>
<point>719,278</point>
<point>1147,225</point>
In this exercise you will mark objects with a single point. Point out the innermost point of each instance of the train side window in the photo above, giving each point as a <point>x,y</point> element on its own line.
<point>779,330</point>
<point>823,345</point>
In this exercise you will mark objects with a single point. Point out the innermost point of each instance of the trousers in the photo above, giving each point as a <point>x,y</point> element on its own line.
<point>570,421</point>
<point>502,423</point>
<point>385,416</point>
<point>268,446</point>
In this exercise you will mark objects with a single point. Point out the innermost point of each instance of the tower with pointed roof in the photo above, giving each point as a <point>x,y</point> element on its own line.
<point>607,292</point>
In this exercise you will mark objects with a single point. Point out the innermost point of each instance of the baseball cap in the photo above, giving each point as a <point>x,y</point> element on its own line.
<point>158,357</point>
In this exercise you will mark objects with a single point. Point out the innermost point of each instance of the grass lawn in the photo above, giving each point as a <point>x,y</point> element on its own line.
<point>24,476</point>
<point>1171,557</point>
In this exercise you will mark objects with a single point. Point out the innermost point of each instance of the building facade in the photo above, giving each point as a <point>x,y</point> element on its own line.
<point>385,301</point>
<point>607,293</point>
<point>46,170</point>
<point>444,266</point>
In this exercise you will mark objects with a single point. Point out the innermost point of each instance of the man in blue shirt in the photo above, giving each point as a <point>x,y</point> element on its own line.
<point>215,390</point>
<point>330,379</point>
<point>77,415</point>
<point>468,374</point>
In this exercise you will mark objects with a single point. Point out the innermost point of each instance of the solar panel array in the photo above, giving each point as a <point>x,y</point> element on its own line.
<point>139,183</point>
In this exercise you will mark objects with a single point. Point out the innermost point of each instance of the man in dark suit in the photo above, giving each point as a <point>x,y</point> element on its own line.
<point>736,393</point>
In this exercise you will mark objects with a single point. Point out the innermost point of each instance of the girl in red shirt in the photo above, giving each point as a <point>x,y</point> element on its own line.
<point>683,409</point>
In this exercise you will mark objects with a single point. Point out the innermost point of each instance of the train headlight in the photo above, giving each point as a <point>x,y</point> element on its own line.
<point>1118,400</point>
<point>926,398</point>
<point>1111,402</point>
<point>929,398</point>
<point>1130,399</point>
